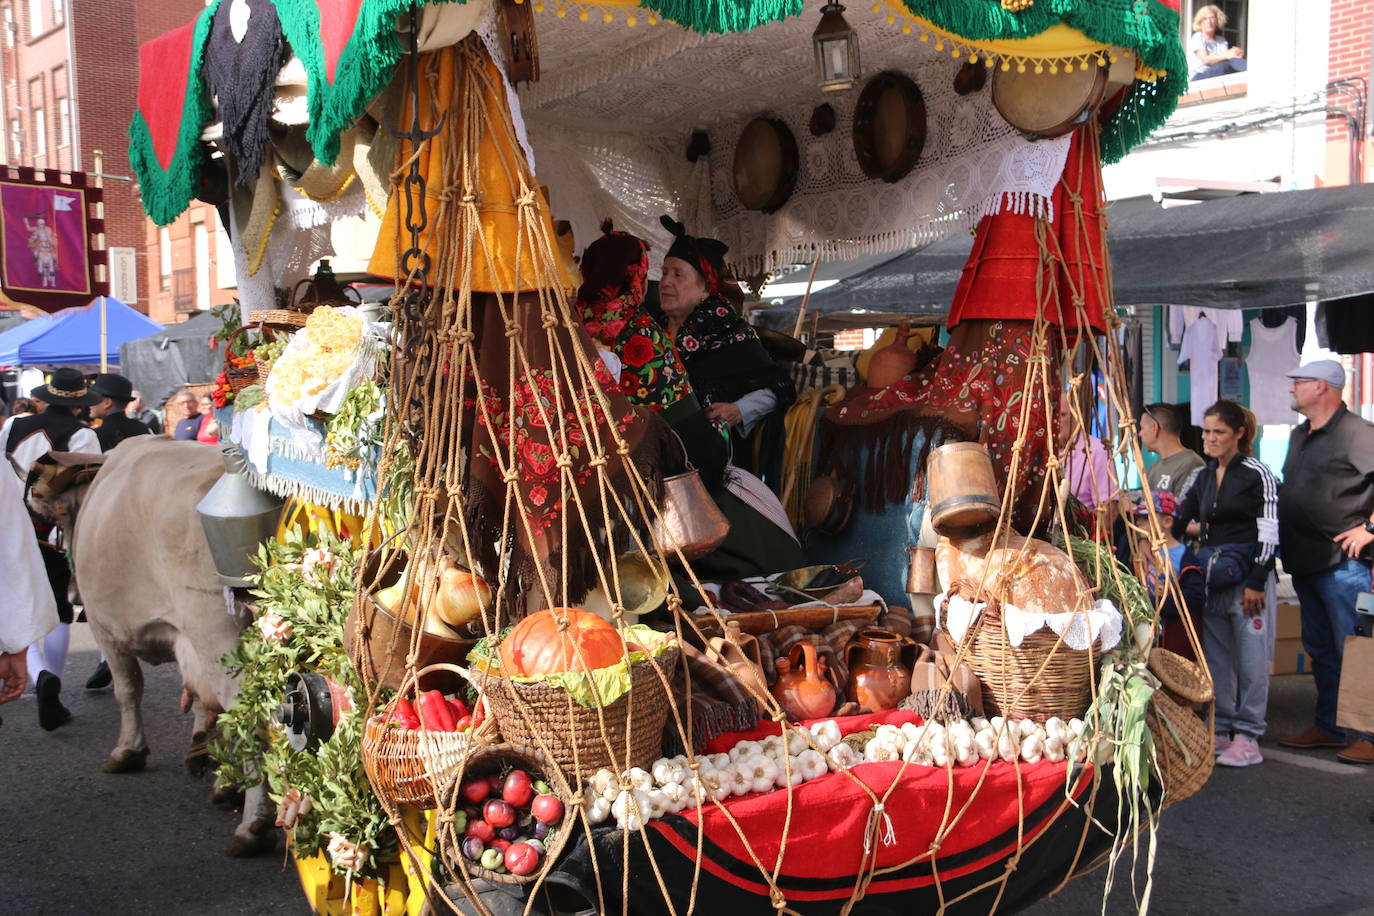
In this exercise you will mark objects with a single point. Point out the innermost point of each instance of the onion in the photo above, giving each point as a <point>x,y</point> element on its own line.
<point>461,596</point>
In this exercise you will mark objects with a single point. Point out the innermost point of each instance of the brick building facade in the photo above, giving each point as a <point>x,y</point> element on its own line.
<point>70,84</point>
<point>1350,68</point>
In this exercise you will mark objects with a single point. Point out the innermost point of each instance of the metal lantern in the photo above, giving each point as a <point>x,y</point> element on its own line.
<point>837,50</point>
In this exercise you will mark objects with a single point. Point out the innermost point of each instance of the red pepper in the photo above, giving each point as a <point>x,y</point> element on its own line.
<point>463,724</point>
<point>404,713</point>
<point>479,714</point>
<point>435,713</point>
<point>460,708</point>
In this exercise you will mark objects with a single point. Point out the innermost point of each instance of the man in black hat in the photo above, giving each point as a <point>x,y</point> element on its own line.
<point>115,394</point>
<point>55,429</point>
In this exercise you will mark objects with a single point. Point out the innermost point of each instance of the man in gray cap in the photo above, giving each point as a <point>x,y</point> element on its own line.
<point>1326,528</point>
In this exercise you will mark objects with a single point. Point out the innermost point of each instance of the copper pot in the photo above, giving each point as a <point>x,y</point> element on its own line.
<point>691,522</point>
<point>879,668</point>
<point>920,573</point>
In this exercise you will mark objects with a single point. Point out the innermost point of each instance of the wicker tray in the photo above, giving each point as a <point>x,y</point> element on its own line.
<point>1183,747</point>
<point>1042,677</point>
<point>497,758</point>
<point>570,734</point>
<point>277,318</point>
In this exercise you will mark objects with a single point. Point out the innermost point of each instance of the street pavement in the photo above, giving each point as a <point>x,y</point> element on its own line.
<point>1291,837</point>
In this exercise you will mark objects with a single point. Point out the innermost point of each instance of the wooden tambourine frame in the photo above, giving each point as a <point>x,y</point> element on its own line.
<point>873,125</point>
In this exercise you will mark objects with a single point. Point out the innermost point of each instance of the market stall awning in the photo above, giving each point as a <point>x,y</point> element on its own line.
<point>72,336</point>
<point>1252,251</point>
<point>180,355</point>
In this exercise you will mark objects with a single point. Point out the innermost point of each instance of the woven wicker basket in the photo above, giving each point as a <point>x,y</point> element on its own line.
<point>497,759</point>
<point>405,765</point>
<point>570,734</point>
<point>286,319</point>
<point>1183,747</point>
<point>238,377</point>
<point>1040,678</point>
<point>1185,681</point>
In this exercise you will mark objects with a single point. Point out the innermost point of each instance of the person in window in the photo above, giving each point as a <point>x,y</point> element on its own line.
<point>1209,54</point>
<point>1232,505</point>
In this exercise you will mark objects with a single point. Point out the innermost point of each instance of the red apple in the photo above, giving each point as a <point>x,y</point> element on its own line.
<point>522,859</point>
<point>500,844</point>
<point>547,809</point>
<point>494,782</point>
<point>517,789</point>
<point>498,813</point>
<point>482,830</point>
<point>475,790</point>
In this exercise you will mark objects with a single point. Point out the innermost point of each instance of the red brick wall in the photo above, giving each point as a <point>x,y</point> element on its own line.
<point>105,36</point>
<point>1352,30</point>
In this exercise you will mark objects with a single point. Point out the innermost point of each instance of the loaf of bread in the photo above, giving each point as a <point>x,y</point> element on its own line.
<point>1032,575</point>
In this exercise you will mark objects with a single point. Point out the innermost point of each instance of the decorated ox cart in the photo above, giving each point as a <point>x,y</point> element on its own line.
<point>510,682</point>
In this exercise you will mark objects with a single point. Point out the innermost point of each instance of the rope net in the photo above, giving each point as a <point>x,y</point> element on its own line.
<point>512,455</point>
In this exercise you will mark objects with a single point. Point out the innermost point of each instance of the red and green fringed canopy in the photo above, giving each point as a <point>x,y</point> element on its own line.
<point>350,50</point>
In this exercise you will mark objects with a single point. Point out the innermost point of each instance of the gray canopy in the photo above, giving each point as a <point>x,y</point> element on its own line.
<point>160,364</point>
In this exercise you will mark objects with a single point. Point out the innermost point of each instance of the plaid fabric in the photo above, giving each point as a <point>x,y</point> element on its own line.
<point>719,702</point>
<point>805,376</point>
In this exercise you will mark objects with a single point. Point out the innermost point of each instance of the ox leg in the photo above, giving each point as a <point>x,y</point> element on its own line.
<point>198,760</point>
<point>131,753</point>
<point>257,831</point>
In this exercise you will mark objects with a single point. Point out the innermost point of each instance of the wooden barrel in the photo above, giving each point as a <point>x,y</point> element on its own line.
<point>964,501</point>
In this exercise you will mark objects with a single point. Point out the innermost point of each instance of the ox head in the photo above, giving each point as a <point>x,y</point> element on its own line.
<point>57,483</point>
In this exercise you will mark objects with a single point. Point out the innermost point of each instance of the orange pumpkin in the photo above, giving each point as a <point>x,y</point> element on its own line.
<point>536,646</point>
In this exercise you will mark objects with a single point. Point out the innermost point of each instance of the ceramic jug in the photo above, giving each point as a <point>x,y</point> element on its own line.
<point>893,362</point>
<point>803,689</point>
<point>739,651</point>
<point>879,668</point>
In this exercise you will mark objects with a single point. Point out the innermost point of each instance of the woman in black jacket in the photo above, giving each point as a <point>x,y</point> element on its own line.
<point>1232,505</point>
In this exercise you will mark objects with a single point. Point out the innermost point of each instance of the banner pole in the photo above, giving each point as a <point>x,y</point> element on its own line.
<point>99,157</point>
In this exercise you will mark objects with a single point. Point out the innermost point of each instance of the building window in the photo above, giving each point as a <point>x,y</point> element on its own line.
<point>40,133</point>
<point>9,26</point>
<point>64,122</point>
<point>164,250</point>
<point>16,141</point>
<point>35,18</point>
<point>1234,32</point>
<point>59,12</point>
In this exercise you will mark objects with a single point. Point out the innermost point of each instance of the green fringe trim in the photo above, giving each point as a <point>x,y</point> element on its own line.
<point>1147,28</point>
<point>167,192</point>
<point>364,68</point>
<point>723,15</point>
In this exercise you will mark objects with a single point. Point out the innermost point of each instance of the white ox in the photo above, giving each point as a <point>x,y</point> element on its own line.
<point>151,594</point>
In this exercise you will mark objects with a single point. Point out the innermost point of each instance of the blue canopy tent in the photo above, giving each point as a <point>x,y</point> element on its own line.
<point>72,336</point>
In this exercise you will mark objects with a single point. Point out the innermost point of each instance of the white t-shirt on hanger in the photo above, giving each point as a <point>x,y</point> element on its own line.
<point>1273,352</point>
<point>1201,350</point>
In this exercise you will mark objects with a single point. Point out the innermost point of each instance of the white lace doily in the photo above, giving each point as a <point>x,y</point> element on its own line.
<point>1099,625</point>
<point>607,88</point>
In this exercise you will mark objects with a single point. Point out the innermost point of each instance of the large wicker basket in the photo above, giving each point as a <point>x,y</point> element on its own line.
<point>1184,681</point>
<point>238,377</point>
<point>1183,747</point>
<point>571,735</point>
<point>498,758</point>
<point>1040,678</point>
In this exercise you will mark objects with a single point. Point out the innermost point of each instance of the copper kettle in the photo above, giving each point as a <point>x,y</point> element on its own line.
<point>691,522</point>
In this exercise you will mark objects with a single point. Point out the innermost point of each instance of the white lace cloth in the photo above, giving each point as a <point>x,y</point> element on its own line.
<point>1100,624</point>
<point>633,97</point>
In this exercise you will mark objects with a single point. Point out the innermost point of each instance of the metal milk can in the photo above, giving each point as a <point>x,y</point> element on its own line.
<point>236,517</point>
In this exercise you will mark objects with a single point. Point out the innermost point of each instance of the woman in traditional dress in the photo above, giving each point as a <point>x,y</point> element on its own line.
<point>615,272</point>
<point>735,379</point>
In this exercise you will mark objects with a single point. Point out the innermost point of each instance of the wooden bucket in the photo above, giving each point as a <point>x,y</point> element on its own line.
<point>964,500</point>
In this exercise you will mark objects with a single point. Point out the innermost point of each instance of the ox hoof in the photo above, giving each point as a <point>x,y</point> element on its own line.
<point>226,796</point>
<point>126,761</point>
<point>256,844</point>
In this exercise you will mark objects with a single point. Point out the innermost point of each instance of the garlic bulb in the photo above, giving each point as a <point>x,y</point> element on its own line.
<point>797,740</point>
<point>813,763</point>
<point>598,809</point>
<point>638,779</point>
<point>676,796</point>
<point>826,735</point>
<point>631,809</point>
<point>741,783</point>
<point>601,780</point>
<point>761,771</point>
<point>743,750</point>
<point>841,757</point>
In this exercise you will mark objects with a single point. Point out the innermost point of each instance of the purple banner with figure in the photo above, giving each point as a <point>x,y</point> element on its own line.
<point>45,239</point>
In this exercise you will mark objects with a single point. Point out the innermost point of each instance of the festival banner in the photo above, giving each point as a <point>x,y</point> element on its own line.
<point>46,234</point>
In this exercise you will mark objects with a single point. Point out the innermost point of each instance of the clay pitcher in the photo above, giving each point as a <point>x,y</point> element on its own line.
<point>803,689</point>
<point>879,668</point>
<point>739,652</point>
<point>893,362</point>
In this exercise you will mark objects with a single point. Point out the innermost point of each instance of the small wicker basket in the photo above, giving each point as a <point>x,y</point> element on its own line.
<point>1041,678</point>
<point>405,765</point>
<point>1185,681</point>
<point>1183,747</point>
<point>571,735</point>
<point>281,319</point>
<point>498,758</point>
<point>238,377</point>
